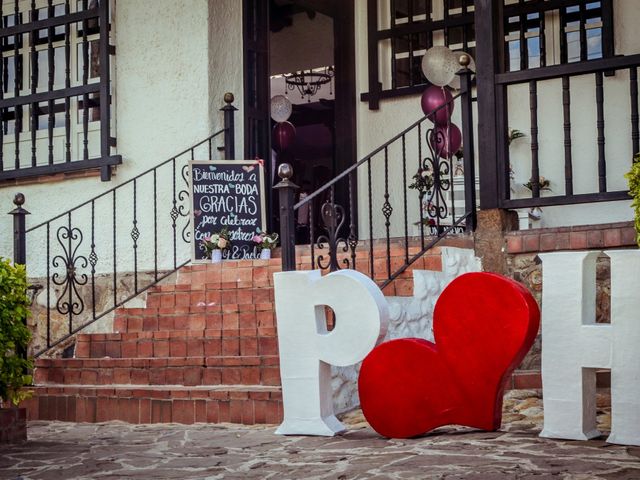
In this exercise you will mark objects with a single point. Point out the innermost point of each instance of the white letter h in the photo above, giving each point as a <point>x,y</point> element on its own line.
<point>574,346</point>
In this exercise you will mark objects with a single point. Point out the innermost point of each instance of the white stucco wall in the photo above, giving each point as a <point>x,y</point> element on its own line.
<point>174,62</point>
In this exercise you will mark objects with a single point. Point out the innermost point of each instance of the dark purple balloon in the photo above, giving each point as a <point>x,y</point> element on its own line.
<point>433,98</point>
<point>284,134</point>
<point>445,140</point>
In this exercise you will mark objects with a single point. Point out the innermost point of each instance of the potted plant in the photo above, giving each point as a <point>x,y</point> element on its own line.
<point>513,134</point>
<point>633,177</point>
<point>535,213</point>
<point>215,243</point>
<point>265,242</point>
<point>14,339</point>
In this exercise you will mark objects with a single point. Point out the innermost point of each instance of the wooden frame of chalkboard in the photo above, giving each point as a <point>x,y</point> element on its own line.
<point>227,193</point>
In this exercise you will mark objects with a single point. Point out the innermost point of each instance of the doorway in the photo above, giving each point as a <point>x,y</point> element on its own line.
<point>292,47</point>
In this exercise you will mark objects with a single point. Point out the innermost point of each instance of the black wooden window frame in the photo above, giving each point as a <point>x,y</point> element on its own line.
<point>582,17</point>
<point>35,33</point>
<point>525,26</point>
<point>462,19</point>
<point>523,9</point>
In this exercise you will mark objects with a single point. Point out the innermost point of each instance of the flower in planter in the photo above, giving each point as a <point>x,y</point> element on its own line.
<point>543,184</point>
<point>422,180</point>
<point>264,240</point>
<point>216,241</point>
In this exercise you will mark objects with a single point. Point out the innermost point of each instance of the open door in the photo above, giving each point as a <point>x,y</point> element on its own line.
<point>285,37</point>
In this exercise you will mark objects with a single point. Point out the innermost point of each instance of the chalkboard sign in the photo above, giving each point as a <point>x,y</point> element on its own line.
<point>227,194</point>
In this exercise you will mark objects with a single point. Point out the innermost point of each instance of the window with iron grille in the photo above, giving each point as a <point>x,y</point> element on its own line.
<point>55,88</point>
<point>538,33</point>
<point>541,33</point>
<point>401,31</point>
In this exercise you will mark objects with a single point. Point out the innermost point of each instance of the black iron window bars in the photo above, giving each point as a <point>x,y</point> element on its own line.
<point>406,31</point>
<point>55,88</point>
<point>400,31</point>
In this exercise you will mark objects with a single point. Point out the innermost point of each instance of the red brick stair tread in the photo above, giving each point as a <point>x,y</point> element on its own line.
<point>156,362</point>
<point>248,404</point>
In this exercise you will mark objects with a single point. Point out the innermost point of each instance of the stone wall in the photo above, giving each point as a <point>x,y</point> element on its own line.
<point>92,304</point>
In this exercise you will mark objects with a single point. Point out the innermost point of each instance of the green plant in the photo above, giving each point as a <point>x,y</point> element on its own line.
<point>633,177</point>
<point>14,334</point>
<point>513,134</point>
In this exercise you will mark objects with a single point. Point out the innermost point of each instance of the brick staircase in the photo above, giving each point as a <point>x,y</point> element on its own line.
<point>203,349</point>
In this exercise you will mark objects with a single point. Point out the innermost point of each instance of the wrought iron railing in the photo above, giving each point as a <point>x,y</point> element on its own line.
<point>590,170</point>
<point>372,201</point>
<point>91,259</point>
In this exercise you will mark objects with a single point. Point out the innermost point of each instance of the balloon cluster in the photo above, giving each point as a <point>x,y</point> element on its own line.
<point>439,66</point>
<point>284,133</point>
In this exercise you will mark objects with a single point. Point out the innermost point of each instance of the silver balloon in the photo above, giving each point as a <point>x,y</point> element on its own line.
<point>439,65</point>
<point>280,108</point>
<point>455,83</point>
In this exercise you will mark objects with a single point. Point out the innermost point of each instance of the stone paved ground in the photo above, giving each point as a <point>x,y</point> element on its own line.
<point>116,450</point>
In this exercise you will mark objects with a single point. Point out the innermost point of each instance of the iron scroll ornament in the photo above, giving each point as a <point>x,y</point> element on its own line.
<point>69,302</point>
<point>440,168</point>
<point>333,218</point>
<point>182,210</point>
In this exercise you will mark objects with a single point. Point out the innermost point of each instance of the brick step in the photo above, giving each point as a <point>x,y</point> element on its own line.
<point>260,316</point>
<point>187,371</point>
<point>167,296</point>
<point>179,343</point>
<point>251,404</point>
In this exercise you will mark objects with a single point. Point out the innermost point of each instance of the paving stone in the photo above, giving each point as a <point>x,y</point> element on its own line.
<point>116,450</point>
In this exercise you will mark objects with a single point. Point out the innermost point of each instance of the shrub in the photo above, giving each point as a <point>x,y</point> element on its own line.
<point>634,190</point>
<point>14,334</point>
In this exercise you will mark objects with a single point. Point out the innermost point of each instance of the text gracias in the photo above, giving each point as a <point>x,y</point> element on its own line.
<point>233,198</point>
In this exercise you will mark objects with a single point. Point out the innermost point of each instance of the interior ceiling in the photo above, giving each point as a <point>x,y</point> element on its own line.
<point>281,14</point>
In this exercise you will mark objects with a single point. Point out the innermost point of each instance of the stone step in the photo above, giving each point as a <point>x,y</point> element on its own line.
<point>250,404</point>
<point>233,316</point>
<point>179,343</point>
<point>187,371</point>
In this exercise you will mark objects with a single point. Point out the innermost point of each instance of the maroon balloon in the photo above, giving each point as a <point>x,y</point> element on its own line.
<point>445,140</point>
<point>433,98</point>
<point>284,133</point>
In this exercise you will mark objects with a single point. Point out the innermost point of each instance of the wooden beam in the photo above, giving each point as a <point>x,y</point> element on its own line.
<point>492,112</point>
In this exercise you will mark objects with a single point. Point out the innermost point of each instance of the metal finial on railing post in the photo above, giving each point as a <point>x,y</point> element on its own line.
<point>19,230</point>
<point>286,194</point>
<point>467,142</point>
<point>229,127</point>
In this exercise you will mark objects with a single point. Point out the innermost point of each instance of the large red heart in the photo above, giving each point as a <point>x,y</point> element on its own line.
<point>483,326</point>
